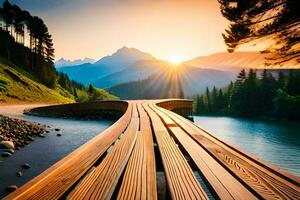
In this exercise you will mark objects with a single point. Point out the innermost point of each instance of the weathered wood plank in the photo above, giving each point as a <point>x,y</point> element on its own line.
<point>100,183</point>
<point>180,178</point>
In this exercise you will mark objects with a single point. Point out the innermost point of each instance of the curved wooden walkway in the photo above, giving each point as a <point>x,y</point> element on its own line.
<point>121,162</point>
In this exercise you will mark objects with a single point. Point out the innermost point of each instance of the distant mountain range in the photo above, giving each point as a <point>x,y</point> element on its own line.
<point>63,62</point>
<point>132,66</point>
<point>173,83</point>
<point>108,65</point>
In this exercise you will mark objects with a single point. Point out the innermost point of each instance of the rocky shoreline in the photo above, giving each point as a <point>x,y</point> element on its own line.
<point>16,133</point>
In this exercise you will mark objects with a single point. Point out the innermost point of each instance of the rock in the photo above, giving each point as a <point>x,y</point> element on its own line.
<point>26,166</point>
<point>10,151</point>
<point>30,138</point>
<point>57,129</point>
<point>58,134</point>
<point>47,131</point>
<point>5,154</point>
<point>42,135</point>
<point>12,188</point>
<point>19,174</point>
<point>7,145</point>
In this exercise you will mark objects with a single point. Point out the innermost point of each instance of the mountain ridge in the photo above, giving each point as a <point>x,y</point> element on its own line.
<point>62,62</point>
<point>116,62</point>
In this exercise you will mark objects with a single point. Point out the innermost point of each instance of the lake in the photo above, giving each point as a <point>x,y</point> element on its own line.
<point>44,152</point>
<point>276,142</point>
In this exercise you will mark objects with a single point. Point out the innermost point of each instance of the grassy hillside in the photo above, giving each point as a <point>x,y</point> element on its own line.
<point>17,86</point>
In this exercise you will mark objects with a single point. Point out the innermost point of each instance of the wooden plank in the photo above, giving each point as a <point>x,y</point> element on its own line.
<point>56,180</point>
<point>139,180</point>
<point>181,181</point>
<point>222,182</point>
<point>100,183</point>
<point>249,171</point>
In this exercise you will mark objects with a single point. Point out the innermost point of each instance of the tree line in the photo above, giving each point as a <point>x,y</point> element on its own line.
<point>26,42</point>
<point>275,95</point>
<point>82,93</point>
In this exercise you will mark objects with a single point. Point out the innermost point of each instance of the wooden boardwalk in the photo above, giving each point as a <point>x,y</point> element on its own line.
<point>152,136</point>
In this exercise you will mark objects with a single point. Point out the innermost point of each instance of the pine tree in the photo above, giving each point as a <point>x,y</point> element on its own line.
<point>199,105</point>
<point>254,20</point>
<point>214,99</point>
<point>208,101</point>
<point>281,81</point>
<point>91,89</point>
<point>266,92</point>
<point>293,82</point>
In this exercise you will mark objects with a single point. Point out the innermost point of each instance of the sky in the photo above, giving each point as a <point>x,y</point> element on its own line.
<point>167,29</point>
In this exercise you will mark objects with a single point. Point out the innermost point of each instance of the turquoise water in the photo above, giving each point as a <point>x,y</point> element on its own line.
<point>275,142</point>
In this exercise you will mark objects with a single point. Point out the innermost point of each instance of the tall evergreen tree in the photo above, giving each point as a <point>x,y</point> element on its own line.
<point>267,92</point>
<point>214,99</point>
<point>293,82</point>
<point>281,81</point>
<point>208,101</point>
<point>200,107</point>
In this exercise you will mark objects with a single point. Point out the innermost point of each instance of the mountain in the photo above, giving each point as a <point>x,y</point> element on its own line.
<point>236,60</point>
<point>63,62</point>
<point>132,66</point>
<point>121,59</point>
<point>173,83</point>
<point>137,71</point>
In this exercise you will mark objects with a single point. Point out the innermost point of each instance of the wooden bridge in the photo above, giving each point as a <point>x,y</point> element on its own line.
<point>152,152</point>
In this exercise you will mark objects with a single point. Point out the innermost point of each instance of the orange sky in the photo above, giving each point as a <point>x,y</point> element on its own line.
<point>164,28</point>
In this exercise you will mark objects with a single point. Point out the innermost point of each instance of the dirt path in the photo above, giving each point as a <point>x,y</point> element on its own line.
<point>16,111</point>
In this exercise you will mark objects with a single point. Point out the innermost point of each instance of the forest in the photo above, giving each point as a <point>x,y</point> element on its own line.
<point>27,44</point>
<point>272,95</point>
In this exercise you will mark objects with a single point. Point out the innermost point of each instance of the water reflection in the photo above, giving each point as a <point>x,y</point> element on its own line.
<point>273,141</point>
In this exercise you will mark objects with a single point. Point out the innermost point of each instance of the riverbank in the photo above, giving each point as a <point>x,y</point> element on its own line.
<point>18,132</point>
<point>15,132</point>
<point>44,152</point>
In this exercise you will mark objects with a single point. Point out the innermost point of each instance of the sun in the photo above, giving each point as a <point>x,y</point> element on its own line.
<point>175,59</point>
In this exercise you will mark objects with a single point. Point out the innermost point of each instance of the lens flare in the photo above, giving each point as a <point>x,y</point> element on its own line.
<point>175,59</point>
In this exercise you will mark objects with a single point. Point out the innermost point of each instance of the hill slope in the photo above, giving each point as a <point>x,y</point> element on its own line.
<point>16,87</point>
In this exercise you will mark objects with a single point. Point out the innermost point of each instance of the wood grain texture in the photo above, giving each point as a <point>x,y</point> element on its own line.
<point>221,181</point>
<point>100,183</point>
<point>230,171</point>
<point>181,181</point>
<point>265,183</point>
<point>139,180</point>
<point>56,180</point>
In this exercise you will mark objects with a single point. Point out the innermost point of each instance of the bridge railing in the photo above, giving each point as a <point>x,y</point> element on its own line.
<point>183,107</point>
